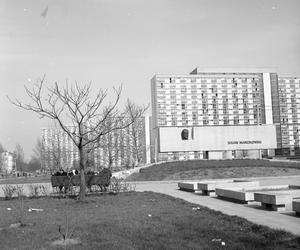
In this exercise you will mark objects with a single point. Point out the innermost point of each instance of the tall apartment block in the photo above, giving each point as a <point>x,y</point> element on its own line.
<point>289,103</point>
<point>125,147</point>
<point>217,114</point>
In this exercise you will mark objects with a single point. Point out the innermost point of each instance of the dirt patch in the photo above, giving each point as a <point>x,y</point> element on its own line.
<point>66,242</point>
<point>15,225</point>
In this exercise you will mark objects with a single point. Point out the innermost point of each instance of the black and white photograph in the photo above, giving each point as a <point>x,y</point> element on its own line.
<point>149,124</point>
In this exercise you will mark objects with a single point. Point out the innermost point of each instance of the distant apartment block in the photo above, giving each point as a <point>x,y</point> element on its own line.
<point>126,147</point>
<point>226,113</point>
<point>7,162</point>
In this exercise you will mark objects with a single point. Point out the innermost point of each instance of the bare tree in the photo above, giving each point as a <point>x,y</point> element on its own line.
<point>38,149</point>
<point>110,143</point>
<point>34,164</point>
<point>79,114</point>
<point>136,133</point>
<point>20,158</point>
<point>2,150</point>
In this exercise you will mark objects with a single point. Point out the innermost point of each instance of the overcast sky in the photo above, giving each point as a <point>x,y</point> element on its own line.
<point>110,42</point>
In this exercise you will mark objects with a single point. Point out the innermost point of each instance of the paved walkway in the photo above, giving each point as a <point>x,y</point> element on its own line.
<point>252,212</point>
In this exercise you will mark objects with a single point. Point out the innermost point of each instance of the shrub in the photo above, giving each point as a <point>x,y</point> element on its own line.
<point>20,191</point>
<point>43,190</point>
<point>9,191</point>
<point>33,190</point>
<point>37,190</point>
<point>66,231</point>
<point>120,185</point>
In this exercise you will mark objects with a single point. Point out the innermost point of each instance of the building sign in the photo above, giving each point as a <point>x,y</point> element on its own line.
<point>214,138</point>
<point>244,142</point>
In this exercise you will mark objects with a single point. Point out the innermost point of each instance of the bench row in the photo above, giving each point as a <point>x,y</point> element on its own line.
<point>277,198</point>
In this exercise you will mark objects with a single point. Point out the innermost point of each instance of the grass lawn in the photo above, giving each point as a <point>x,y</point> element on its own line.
<point>22,180</point>
<point>213,169</point>
<point>196,169</point>
<point>135,221</point>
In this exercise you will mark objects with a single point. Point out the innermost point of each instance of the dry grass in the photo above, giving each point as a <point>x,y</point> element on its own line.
<point>136,221</point>
<point>23,180</point>
<point>213,169</point>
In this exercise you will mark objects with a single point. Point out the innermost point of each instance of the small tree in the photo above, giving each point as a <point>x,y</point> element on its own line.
<point>110,143</point>
<point>38,149</point>
<point>2,150</point>
<point>34,164</point>
<point>20,158</point>
<point>136,130</point>
<point>80,115</point>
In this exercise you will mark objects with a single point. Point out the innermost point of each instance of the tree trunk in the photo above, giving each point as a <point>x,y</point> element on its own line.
<point>82,176</point>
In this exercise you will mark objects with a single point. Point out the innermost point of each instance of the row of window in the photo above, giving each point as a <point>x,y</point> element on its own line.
<point>215,88</point>
<point>207,80</point>
<point>210,122</point>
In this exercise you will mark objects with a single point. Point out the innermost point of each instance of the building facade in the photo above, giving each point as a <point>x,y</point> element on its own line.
<point>257,108</point>
<point>120,148</point>
<point>7,162</point>
<point>289,103</point>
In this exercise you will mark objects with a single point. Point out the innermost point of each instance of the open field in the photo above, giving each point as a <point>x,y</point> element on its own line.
<point>213,169</point>
<point>142,220</point>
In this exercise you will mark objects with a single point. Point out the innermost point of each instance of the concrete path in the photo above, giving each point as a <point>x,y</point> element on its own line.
<point>252,212</point>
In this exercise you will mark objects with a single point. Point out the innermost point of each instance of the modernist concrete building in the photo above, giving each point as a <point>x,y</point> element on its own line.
<point>217,114</point>
<point>124,147</point>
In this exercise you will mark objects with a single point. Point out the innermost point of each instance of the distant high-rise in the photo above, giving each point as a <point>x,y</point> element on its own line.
<point>125,147</point>
<point>7,165</point>
<point>227,113</point>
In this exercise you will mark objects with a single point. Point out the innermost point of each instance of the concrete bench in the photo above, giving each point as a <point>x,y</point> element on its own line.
<point>296,206</point>
<point>277,200</point>
<point>188,186</point>
<point>235,194</point>
<point>209,188</point>
<point>245,195</point>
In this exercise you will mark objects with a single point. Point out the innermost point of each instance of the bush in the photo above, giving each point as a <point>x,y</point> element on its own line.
<point>120,185</point>
<point>9,191</point>
<point>37,190</point>
<point>20,191</point>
